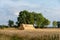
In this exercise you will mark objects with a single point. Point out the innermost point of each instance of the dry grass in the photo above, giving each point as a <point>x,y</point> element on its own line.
<point>37,34</point>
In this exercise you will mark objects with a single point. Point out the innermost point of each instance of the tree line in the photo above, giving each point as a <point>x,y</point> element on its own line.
<point>26,17</point>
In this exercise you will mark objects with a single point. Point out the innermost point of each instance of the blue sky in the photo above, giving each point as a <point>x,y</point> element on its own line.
<point>9,9</point>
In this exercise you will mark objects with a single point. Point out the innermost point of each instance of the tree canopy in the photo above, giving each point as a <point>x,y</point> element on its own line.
<point>10,23</point>
<point>26,17</point>
<point>54,23</point>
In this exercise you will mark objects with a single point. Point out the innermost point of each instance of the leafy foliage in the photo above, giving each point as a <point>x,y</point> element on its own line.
<point>26,17</point>
<point>10,23</point>
<point>45,22</point>
<point>54,23</point>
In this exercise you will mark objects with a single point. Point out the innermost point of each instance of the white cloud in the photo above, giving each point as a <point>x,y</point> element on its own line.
<point>17,13</point>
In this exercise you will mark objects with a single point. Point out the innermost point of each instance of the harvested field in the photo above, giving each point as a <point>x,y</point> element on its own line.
<point>37,34</point>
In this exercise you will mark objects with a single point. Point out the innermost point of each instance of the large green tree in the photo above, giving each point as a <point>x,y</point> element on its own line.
<point>26,17</point>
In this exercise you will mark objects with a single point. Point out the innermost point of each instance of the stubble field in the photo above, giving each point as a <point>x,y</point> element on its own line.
<point>37,34</point>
